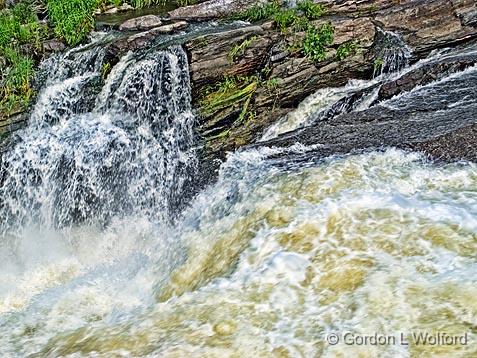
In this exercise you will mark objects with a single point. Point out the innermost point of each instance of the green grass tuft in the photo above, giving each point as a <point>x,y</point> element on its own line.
<point>72,19</point>
<point>18,27</point>
<point>239,50</point>
<point>258,12</point>
<point>285,18</point>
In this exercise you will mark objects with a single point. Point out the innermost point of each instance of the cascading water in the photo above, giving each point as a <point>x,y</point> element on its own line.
<point>357,95</point>
<point>264,263</point>
<point>392,54</point>
<point>127,154</point>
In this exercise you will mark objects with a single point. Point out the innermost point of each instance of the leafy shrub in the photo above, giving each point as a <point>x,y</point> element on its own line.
<point>18,26</point>
<point>316,40</point>
<point>301,24</point>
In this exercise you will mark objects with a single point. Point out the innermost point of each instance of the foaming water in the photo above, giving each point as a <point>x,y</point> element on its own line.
<point>265,263</point>
<point>94,151</point>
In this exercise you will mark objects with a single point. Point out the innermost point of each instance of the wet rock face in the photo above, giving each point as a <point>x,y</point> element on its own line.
<point>457,145</point>
<point>268,51</point>
<point>427,24</point>
<point>141,23</point>
<point>210,54</point>
<point>427,74</point>
<point>142,40</point>
<point>426,119</point>
<point>424,25</point>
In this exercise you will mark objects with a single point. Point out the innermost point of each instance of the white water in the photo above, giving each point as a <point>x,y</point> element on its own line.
<point>127,154</point>
<point>265,263</point>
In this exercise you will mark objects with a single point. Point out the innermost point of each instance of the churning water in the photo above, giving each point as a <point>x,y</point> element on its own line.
<point>84,160</point>
<point>265,263</point>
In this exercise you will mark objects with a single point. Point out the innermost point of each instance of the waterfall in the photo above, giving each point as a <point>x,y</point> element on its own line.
<point>392,54</point>
<point>95,150</point>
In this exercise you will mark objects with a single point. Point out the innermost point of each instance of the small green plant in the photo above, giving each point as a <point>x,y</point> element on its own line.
<point>378,63</point>
<point>346,49</point>
<point>105,70</point>
<point>186,2</point>
<point>232,91</point>
<point>316,40</point>
<point>301,24</point>
<point>144,3</point>
<point>271,83</point>
<point>239,50</point>
<point>116,3</point>
<point>285,18</point>
<point>309,9</point>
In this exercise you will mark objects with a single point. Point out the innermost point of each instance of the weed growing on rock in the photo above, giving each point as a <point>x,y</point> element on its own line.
<point>316,40</point>
<point>258,12</point>
<point>285,18</point>
<point>309,9</point>
<point>346,49</point>
<point>239,50</point>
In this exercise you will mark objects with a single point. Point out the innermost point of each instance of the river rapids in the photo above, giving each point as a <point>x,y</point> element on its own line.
<point>270,261</point>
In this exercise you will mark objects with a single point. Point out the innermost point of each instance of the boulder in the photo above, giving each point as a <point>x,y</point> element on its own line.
<point>428,24</point>
<point>53,45</point>
<point>141,23</point>
<point>212,9</point>
<point>141,40</point>
<point>426,74</point>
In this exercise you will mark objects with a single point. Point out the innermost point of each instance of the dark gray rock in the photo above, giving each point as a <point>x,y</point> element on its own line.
<point>53,45</point>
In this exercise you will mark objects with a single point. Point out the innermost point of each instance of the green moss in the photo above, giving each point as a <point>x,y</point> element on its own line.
<point>316,40</point>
